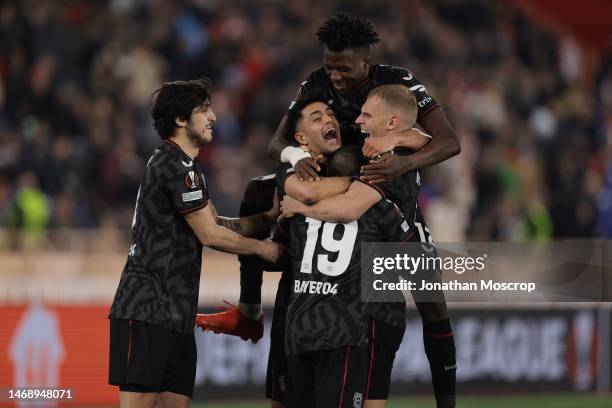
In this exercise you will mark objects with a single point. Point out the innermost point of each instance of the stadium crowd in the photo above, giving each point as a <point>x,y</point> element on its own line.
<point>533,113</point>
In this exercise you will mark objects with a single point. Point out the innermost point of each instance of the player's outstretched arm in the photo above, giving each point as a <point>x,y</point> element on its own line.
<point>279,141</point>
<point>310,192</point>
<point>253,224</point>
<point>343,208</point>
<point>204,224</point>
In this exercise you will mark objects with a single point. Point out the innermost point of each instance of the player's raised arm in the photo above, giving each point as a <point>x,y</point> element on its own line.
<point>279,140</point>
<point>444,143</point>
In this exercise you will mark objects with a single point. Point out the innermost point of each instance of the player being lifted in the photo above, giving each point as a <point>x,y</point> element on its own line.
<point>390,110</point>
<point>326,332</point>
<point>347,76</point>
<point>152,346</point>
<point>315,129</point>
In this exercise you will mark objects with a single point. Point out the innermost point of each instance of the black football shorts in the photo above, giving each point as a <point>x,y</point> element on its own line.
<point>146,357</point>
<point>328,378</point>
<point>385,340</point>
<point>276,377</point>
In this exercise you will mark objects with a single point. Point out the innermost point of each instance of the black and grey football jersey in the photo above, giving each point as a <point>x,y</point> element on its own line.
<point>325,309</point>
<point>161,278</point>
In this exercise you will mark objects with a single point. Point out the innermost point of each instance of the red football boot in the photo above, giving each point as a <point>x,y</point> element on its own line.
<point>232,321</point>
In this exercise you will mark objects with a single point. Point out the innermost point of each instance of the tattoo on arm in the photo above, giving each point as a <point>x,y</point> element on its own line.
<point>232,224</point>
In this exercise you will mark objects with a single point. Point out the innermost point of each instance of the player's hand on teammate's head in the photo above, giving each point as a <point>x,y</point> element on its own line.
<point>307,169</point>
<point>387,167</point>
<point>373,146</point>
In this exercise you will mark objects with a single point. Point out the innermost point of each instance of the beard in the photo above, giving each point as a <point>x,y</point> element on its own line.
<point>197,139</point>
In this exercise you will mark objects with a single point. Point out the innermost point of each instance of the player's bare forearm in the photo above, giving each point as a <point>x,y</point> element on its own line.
<point>328,210</point>
<point>247,226</point>
<point>251,225</point>
<point>415,139</point>
<point>228,241</point>
<point>443,145</point>
<point>310,192</point>
<point>279,141</point>
<point>329,187</point>
<point>345,207</point>
<point>204,223</point>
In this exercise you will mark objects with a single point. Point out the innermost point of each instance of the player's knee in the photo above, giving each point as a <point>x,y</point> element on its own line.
<point>137,399</point>
<point>173,400</point>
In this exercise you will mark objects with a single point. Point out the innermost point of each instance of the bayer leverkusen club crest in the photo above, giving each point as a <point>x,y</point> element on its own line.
<point>192,180</point>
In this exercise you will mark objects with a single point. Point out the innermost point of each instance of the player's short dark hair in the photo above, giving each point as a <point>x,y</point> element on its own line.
<point>398,96</point>
<point>346,161</point>
<point>295,113</point>
<point>177,100</point>
<point>344,31</point>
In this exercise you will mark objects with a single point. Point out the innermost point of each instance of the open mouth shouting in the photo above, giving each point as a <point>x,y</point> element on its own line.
<point>330,135</point>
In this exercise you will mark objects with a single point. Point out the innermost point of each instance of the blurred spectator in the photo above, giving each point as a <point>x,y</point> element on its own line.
<point>75,78</point>
<point>28,212</point>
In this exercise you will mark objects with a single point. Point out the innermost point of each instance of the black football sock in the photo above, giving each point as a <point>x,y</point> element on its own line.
<point>440,350</point>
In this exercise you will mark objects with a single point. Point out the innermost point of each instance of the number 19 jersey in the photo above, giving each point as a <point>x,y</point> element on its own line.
<point>325,310</point>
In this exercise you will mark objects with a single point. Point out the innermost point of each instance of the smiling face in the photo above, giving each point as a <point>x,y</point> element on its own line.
<point>346,69</point>
<point>375,117</point>
<point>200,125</point>
<point>318,129</point>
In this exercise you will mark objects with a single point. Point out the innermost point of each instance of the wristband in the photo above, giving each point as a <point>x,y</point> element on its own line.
<point>293,155</point>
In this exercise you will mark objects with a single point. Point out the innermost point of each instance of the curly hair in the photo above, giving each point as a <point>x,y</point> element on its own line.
<point>177,100</point>
<point>344,31</point>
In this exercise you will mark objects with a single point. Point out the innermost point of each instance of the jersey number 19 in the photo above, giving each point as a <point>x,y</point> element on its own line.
<point>343,246</point>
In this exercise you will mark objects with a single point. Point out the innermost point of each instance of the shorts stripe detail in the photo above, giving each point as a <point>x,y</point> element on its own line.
<point>129,343</point>
<point>371,359</point>
<point>348,350</point>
